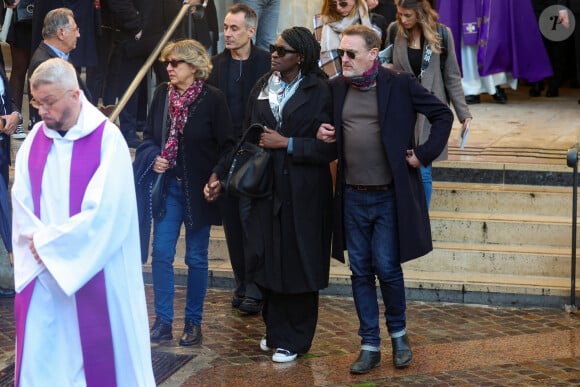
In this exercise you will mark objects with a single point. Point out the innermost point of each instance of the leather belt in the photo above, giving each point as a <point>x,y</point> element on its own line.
<point>358,187</point>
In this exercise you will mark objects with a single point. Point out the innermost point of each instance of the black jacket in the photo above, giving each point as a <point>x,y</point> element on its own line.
<point>207,139</point>
<point>400,97</point>
<point>255,67</point>
<point>288,245</point>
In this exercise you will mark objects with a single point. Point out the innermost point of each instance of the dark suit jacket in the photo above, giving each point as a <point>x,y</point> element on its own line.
<point>86,52</point>
<point>257,65</point>
<point>42,54</point>
<point>400,98</point>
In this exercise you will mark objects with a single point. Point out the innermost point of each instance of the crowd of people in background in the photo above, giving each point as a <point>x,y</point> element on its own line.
<point>322,93</point>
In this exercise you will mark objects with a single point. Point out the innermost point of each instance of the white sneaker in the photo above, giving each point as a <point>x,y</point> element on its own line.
<point>19,133</point>
<point>264,344</point>
<point>283,356</point>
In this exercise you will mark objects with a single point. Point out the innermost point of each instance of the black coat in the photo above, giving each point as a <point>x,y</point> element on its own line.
<point>400,98</point>
<point>207,138</point>
<point>289,232</point>
<point>151,17</point>
<point>255,67</point>
<point>85,54</point>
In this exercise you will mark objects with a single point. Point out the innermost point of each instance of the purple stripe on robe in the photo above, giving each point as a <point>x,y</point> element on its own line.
<point>92,309</point>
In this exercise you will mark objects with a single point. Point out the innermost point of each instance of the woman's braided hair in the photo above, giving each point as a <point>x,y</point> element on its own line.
<point>303,41</point>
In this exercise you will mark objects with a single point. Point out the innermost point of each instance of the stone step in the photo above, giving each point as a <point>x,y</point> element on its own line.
<point>449,257</point>
<point>502,199</point>
<point>501,229</point>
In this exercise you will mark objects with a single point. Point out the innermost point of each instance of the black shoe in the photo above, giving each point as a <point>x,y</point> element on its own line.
<point>161,331</point>
<point>500,96</point>
<point>251,306</point>
<point>237,301</point>
<point>552,92</point>
<point>191,334</point>
<point>7,293</point>
<point>366,361</point>
<point>472,99</point>
<point>536,89</point>
<point>402,355</point>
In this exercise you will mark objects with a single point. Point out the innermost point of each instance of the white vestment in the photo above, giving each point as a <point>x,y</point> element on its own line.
<point>104,235</point>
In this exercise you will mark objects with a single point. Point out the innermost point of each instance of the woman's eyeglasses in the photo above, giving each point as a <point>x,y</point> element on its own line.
<point>341,4</point>
<point>174,62</point>
<point>350,54</point>
<point>281,51</point>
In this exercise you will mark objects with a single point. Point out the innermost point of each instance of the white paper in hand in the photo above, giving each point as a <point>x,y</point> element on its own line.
<point>463,136</point>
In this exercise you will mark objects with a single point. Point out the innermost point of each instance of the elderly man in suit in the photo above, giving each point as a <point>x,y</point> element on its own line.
<point>381,215</point>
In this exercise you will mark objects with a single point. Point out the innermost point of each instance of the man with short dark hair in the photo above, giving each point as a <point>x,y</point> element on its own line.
<point>235,71</point>
<point>381,214</point>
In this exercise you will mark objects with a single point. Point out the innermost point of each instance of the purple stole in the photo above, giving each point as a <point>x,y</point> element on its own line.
<point>91,299</point>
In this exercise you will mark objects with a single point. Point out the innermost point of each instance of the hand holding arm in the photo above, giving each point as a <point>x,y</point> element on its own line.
<point>326,133</point>
<point>212,188</point>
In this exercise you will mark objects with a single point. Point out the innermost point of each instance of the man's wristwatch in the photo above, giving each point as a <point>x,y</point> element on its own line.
<point>19,116</point>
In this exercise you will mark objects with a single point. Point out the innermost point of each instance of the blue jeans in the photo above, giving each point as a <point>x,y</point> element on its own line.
<point>426,176</point>
<point>267,11</point>
<point>165,234</point>
<point>372,240</point>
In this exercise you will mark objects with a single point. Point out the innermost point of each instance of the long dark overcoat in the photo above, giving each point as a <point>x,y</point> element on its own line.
<point>400,98</point>
<point>289,232</point>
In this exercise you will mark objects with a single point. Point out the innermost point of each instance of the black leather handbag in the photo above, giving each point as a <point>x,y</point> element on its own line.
<point>250,172</point>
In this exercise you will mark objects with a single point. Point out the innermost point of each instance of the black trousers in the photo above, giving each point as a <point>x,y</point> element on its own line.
<point>290,320</point>
<point>235,237</point>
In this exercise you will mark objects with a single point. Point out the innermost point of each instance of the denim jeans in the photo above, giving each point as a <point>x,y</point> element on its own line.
<point>426,176</point>
<point>372,240</point>
<point>267,11</point>
<point>165,234</point>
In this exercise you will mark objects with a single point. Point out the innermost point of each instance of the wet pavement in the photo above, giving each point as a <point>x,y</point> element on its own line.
<point>454,345</point>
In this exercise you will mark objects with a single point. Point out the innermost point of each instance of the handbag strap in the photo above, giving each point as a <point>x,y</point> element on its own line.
<point>164,131</point>
<point>249,130</point>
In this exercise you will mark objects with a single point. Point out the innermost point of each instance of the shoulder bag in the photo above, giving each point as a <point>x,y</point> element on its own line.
<point>249,173</point>
<point>158,190</point>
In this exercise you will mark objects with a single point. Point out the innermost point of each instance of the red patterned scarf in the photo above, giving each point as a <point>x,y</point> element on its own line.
<point>178,109</point>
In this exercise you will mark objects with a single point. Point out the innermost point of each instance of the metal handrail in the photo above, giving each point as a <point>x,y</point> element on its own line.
<point>572,162</point>
<point>149,62</point>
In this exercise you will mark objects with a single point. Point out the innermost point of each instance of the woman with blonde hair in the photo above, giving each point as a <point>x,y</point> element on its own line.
<point>424,47</point>
<point>334,17</point>
<point>188,130</point>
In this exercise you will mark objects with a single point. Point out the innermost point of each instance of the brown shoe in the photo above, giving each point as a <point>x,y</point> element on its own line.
<point>191,334</point>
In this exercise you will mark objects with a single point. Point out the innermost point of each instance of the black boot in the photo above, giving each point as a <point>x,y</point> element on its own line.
<point>161,331</point>
<point>366,361</point>
<point>191,334</point>
<point>402,355</point>
<point>500,96</point>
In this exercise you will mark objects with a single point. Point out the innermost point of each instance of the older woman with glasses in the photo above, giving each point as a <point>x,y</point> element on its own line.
<point>188,131</point>
<point>334,17</point>
<point>288,248</point>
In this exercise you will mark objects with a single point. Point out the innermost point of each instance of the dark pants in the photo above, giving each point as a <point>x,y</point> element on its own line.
<point>290,320</point>
<point>235,238</point>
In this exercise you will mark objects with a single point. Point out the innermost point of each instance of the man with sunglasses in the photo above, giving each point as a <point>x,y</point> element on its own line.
<point>235,71</point>
<point>381,214</point>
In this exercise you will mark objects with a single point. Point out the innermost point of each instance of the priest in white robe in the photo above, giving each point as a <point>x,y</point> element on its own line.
<point>81,315</point>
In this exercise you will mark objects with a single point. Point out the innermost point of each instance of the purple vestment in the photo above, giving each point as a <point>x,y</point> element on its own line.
<point>91,299</point>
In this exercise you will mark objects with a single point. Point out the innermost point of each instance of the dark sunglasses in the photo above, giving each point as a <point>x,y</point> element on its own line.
<point>350,54</point>
<point>342,4</point>
<point>281,51</point>
<point>174,62</point>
